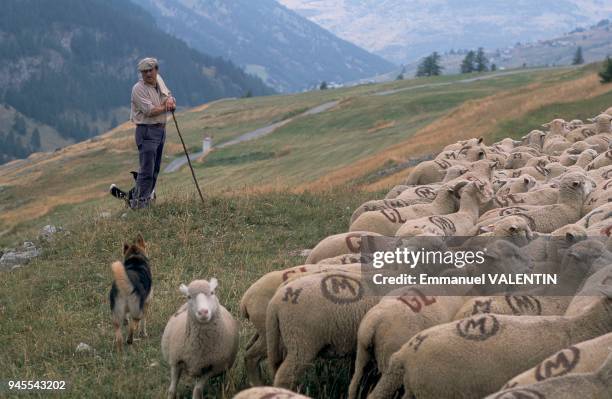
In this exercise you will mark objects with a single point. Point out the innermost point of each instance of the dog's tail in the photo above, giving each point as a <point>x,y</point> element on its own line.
<point>121,278</point>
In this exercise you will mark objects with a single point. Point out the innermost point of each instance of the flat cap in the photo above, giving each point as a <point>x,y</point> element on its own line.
<point>147,63</point>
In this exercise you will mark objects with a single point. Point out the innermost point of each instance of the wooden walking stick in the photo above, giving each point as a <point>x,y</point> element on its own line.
<point>187,155</point>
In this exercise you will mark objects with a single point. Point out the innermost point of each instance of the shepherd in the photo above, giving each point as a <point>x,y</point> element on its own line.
<point>151,100</point>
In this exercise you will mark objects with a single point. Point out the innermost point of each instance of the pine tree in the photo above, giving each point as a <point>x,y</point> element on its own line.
<point>467,65</point>
<point>606,73</point>
<point>430,66</point>
<point>35,140</point>
<point>493,67</point>
<point>323,85</point>
<point>19,125</point>
<point>578,58</point>
<point>481,62</point>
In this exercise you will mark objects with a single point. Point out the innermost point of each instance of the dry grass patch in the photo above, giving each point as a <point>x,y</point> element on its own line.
<point>473,118</point>
<point>380,125</point>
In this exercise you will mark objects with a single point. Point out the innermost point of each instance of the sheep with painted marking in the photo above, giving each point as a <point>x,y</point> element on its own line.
<point>406,311</point>
<point>201,338</point>
<point>584,357</point>
<point>515,228</point>
<point>388,221</point>
<point>474,357</point>
<point>473,197</point>
<point>555,142</point>
<point>316,315</point>
<point>515,185</point>
<point>254,304</point>
<point>601,161</point>
<point>595,385</point>
<point>573,191</point>
<point>338,244</point>
<point>411,198</point>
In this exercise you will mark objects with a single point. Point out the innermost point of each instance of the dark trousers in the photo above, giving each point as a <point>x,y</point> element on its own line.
<point>150,141</point>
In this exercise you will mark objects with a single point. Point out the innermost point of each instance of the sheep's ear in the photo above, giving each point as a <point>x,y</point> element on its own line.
<point>513,228</point>
<point>481,155</point>
<point>213,283</point>
<point>486,229</point>
<point>526,180</point>
<point>126,246</point>
<point>184,290</point>
<point>542,134</point>
<point>140,241</point>
<point>576,183</point>
<point>591,119</point>
<point>480,140</point>
<point>570,237</point>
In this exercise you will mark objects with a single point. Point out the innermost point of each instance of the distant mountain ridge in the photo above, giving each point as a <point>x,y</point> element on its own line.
<point>68,67</point>
<point>287,51</point>
<point>405,30</point>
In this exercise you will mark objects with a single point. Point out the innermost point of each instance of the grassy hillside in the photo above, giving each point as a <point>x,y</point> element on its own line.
<point>61,299</point>
<point>362,134</point>
<point>265,200</point>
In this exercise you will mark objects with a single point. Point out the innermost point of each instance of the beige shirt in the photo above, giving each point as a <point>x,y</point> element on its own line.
<point>145,98</point>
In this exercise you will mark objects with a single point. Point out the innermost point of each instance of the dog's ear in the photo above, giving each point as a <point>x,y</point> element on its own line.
<point>126,246</point>
<point>140,241</point>
<point>213,283</point>
<point>184,290</point>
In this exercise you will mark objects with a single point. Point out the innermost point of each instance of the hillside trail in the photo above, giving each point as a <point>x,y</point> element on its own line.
<point>252,135</point>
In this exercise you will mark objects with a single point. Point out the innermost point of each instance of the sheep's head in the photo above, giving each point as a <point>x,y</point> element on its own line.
<point>454,172</point>
<point>502,256</point>
<point>564,237</point>
<point>580,256</point>
<point>481,191</point>
<point>557,126</point>
<point>472,153</point>
<point>588,155</point>
<point>483,168</point>
<point>202,302</point>
<point>578,183</point>
<point>535,137</point>
<point>602,122</point>
<point>575,123</point>
<point>138,246</point>
<point>595,295</point>
<point>553,170</point>
<point>514,227</point>
<point>528,182</point>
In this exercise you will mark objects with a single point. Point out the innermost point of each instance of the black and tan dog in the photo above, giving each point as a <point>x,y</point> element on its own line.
<point>131,290</point>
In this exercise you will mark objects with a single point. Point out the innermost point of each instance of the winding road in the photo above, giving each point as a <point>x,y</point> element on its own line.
<point>252,135</point>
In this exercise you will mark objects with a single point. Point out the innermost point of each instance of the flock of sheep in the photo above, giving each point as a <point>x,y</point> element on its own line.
<point>554,184</point>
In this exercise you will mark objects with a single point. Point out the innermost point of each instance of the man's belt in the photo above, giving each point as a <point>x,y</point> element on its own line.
<point>151,124</point>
